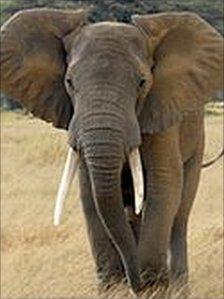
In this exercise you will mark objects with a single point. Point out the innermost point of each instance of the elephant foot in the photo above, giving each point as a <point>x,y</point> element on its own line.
<point>151,277</point>
<point>180,278</point>
<point>154,281</point>
<point>180,284</point>
<point>107,284</point>
<point>106,287</point>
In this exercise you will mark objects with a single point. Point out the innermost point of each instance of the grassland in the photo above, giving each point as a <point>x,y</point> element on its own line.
<point>41,261</point>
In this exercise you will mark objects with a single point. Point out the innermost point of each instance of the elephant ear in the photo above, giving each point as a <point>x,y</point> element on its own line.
<point>33,61</point>
<point>188,66</point>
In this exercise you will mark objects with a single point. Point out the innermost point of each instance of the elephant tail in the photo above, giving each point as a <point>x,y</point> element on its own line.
<point>209,163</point>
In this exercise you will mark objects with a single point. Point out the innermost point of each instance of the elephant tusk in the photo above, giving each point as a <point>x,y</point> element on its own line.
<point>70,168</point>
<point>138,181</point>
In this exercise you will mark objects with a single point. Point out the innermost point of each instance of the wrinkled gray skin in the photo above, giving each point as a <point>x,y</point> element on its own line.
<point>129,86</point>
<point>106,129</point>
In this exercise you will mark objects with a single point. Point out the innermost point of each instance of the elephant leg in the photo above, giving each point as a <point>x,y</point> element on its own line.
<point>164,170</point>
<point>179,263</point>
<point>134,221</point>
<point>108,263</point>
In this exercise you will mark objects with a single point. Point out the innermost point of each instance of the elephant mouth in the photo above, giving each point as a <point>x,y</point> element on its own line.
<point>132,182</point>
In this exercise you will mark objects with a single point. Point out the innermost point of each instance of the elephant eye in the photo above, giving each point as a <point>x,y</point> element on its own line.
<point>69,84</point>
<point>142,82</point>
<point>153,67</point>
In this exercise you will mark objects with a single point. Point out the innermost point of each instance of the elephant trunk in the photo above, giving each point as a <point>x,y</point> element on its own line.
<point>104,159</point>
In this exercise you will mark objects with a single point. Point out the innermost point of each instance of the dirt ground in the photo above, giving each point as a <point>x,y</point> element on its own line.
<point>41,261</point>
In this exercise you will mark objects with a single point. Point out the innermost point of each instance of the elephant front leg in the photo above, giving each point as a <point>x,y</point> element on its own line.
<point>162,160</point>
<point>108,264</point>
<point>192,170</point>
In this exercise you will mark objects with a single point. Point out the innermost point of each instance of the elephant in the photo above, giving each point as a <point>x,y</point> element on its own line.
<point>131,96</point>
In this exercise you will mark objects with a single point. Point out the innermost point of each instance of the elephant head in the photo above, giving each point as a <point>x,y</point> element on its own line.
<point>107,84</point>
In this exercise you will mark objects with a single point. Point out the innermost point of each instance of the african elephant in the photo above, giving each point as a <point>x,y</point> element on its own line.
<point>123,91</point>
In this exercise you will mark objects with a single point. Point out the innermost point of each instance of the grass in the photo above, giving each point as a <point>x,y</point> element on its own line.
<point>40,261</point>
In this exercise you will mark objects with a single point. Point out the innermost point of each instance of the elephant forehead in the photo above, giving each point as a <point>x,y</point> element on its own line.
<point>120,32</point>
<point>110,37</point>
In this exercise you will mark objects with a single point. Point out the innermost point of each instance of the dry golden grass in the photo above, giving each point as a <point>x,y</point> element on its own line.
<point>41,261</point>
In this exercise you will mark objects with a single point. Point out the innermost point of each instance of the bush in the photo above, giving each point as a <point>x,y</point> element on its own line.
<point>9,104</point>
<point>121,10</point>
